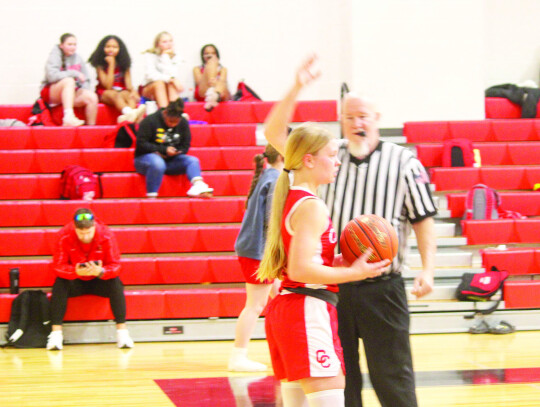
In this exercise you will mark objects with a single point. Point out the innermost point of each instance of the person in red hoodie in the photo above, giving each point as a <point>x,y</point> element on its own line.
<point>87,261</point>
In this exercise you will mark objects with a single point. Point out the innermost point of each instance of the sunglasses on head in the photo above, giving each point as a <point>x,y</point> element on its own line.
<point>84,216</point>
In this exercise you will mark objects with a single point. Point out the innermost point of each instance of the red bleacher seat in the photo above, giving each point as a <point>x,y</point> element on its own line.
<point>526,203</point>
<point>160,270</point>
<point>501,231</point>
<point>226,112</point>
<point>474,130</point>
<point>217,135</point>
<point>123,185</point>
<point>124,211</point>
<point>491,153</point>
<point>117,159</point>
<point>522,294</point>
<point>502,108</point>
<point>516,261</point>
<point>137,239</point>
<point>505,177</point>
<point>151,304</point>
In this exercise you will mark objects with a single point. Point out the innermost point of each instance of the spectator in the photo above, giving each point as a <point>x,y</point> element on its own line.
<point>87,261</point>
<point>163,140</point>
<point>387,180</point>
<point>112,62</point>
<point>67,82</point>
<point>249,248</point>
<point>210,78</point>
<point>160,79</point>
<point>301,322</point>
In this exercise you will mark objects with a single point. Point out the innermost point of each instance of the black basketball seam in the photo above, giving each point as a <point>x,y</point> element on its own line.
<point>369,238</point>
<point>350,248</point>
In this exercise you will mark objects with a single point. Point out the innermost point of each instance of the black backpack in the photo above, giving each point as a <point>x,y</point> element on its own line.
<point>29,322</point>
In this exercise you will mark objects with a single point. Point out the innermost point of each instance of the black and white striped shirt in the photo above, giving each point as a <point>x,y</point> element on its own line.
<point>390,182</point>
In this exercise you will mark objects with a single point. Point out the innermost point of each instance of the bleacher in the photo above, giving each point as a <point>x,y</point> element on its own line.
<point>510,163</point>
<point>178,260</point>
<point>177,252</point>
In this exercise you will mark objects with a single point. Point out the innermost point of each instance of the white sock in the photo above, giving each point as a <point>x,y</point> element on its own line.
<point>292,395</point>
<point>194,180</point>
<point>126,110</point>
<point>69,113</point>
<point>326,398</point>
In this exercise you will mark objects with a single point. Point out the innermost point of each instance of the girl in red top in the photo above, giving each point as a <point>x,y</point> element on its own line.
<point>301,323</point>
<point>112,62</point>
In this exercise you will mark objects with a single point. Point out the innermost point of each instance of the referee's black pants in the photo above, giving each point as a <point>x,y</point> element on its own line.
<point>64,289</point>
<point>378,313</point>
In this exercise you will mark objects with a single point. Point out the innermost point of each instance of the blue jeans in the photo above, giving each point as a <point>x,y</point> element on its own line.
<point>154,167</point>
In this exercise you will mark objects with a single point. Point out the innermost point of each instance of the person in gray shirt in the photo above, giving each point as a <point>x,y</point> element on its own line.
<point>249,247</point>
<point>67,82</point>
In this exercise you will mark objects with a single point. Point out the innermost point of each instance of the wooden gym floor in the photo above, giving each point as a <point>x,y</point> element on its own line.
<point>451,370</point>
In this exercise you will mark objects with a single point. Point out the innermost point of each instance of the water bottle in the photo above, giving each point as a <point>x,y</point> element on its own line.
<point>14,281</point>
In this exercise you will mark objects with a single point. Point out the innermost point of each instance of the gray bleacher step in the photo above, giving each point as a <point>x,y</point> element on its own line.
<point>444,272</point>
<point>443,241</point>
<point>453,258</point>
<point>422,322</point>
<point>444,229</point>
<point>450,306</point>
<point>441,291</point>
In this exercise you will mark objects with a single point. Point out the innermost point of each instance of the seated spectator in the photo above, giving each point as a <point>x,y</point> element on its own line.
<point>160,82</point>
<point>210,78</point>
<point>67,82</point>
<point>112,62</point>
<point>163,140</point>
<point>87,261</point>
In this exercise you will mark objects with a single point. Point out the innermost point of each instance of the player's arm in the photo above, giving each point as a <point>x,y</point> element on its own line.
<point>308,222</point>
<point>275,129</point>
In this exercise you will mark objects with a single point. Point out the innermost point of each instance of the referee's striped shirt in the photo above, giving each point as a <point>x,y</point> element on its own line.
<point>390,182</point>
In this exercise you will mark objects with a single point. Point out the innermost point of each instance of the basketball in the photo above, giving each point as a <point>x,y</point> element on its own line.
<point>370,231</point>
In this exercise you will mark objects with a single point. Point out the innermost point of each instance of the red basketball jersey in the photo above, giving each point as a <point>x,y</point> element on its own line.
<point>327,242</point>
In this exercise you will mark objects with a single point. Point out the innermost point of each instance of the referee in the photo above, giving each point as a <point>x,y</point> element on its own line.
<point>385,179</point>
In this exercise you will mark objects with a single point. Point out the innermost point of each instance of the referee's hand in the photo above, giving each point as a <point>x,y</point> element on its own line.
<point>423,284</point>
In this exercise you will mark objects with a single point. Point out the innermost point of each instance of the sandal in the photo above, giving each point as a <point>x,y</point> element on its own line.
<point>481,328</point>
<point>502,327</point>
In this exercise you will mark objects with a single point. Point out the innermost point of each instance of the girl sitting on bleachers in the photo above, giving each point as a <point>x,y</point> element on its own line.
<point>160,81</point>
<point>112,62</point>
<point>67,82</point>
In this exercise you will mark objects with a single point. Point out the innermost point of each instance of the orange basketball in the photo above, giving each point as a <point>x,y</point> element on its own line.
<point>369,231</point>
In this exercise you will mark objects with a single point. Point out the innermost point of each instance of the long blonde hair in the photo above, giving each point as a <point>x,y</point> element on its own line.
<point>155,49</point>
<point>305,139</point>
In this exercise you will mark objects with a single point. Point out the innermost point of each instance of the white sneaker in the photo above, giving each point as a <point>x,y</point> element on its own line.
<point>55,340</point>
<point>123,340</point>
<point>140,112</point>
<point>211,99</point>
<point>72,121</point>
<point>128,117</point>
<point>199,188</point>
<point>246,365</point>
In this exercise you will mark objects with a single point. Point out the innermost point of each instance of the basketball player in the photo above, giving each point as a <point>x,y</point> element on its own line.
<point>385,179</point>
<point>301,323</point>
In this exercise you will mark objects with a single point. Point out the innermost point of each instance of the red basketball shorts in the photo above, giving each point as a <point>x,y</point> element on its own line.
<point>249,269</point>
<point>302,336</point>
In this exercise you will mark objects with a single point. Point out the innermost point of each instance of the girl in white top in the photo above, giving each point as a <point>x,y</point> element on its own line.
<point>160,82</point>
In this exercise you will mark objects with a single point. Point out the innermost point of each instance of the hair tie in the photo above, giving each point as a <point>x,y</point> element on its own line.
<point>286,170</point>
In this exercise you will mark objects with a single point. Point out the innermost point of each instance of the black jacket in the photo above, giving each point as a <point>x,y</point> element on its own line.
<point>527,98</point>
<point>154,135</point>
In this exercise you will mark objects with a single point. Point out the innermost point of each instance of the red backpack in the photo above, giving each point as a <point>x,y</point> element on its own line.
<point>457,152</point>
<point>77,182</point>
<point>41,114</point>
<point>245,94</point>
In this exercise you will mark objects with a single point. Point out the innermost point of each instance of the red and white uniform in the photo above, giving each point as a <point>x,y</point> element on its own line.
<point>118,82</point>
<point>302,330</point>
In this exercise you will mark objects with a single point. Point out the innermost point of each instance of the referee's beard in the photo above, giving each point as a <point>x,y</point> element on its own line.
<point>359,149</point>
